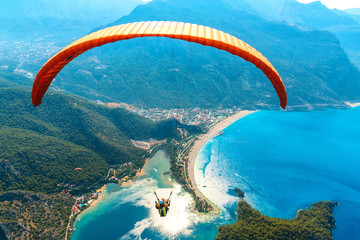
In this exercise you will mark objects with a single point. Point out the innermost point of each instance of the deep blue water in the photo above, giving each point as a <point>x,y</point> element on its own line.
<point>286,161</point>
<point>283,161</point>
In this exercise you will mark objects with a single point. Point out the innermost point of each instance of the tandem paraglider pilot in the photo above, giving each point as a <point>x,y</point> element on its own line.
<point>162,205</point>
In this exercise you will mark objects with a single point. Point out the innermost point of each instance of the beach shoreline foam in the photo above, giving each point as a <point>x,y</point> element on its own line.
<point>199,144</point>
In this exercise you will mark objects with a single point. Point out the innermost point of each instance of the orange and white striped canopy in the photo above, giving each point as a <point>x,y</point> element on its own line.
<point>178,30</point>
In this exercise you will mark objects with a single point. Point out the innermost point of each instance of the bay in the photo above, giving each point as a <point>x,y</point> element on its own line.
<point>283,161</point>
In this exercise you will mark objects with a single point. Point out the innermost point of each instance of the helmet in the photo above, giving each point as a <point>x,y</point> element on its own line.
<point>163,199</point>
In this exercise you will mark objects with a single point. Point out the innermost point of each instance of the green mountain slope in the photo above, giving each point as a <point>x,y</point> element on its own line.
<point>41,147</point>
<point>39,163</point>
<point>71,119</point>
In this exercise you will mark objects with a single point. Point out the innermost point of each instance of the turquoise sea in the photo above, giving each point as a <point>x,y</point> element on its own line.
<point>129,213</point>
<point>283,161</point>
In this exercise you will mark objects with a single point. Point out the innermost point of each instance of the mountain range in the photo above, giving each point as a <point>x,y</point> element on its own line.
<point>167,73</point>
<point>58,19</point>
<point>344,24</point>
<point>313,48</point>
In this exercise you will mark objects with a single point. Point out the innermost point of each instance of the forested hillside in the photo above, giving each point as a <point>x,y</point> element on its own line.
<point>314,223</point>
<point>41,147</point>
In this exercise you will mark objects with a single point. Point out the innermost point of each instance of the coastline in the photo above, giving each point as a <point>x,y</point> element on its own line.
<point>101,194</point>
<point>139,174</point>
<point>194,151</point>
<point>201,141</point>
<point>101,191</point>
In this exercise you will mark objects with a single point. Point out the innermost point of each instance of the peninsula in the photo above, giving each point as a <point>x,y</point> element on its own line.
<point>314,223</point>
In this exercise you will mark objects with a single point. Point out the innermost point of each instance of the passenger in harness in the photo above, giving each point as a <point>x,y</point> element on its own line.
<point>162,205</point>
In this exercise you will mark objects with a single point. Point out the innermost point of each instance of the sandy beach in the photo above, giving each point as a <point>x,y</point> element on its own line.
<point>101,193</point>
<point>140,173</point>
<point>202,140</point>
<point>142,170</point>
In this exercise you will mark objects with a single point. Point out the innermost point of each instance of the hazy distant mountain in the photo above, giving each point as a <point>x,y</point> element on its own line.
<point>169,73</point>
<point>355,11</point>
<point>344,24</point>
<point>95,11</point>
<point>39,18</point>
<point>355,17</point>
<point>313,14</point>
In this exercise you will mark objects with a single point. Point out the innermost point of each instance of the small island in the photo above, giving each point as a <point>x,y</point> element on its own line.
<point>239,193</point>
<point>314,223</point>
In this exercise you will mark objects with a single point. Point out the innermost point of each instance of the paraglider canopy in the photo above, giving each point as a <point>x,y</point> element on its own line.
<point>186,31</point>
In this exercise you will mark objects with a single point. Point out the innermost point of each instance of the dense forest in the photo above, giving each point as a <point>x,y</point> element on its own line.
<point>42,147</point>
<point>315,223</point>
<point>46,144</point>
